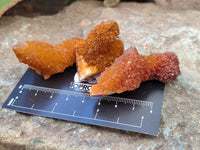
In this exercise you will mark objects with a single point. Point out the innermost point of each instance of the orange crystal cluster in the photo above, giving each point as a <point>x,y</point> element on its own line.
<point>45,58</point>
<point>99,49</point>
<point>130,69</point>
<point>91,55</point>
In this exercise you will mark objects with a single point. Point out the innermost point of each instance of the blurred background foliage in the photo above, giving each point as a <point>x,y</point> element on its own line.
<point>31,8</point>
<point>6,4</point>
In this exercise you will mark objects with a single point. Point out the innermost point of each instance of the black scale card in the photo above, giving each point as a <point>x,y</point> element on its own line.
<point>63,97</point>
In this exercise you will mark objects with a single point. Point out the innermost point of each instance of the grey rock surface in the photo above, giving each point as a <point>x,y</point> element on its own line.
<point>150,29</point>
<point>177,4</point>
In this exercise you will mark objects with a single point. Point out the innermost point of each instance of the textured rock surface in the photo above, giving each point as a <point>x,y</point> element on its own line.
<point>147,26</point>
<point>177,4</point>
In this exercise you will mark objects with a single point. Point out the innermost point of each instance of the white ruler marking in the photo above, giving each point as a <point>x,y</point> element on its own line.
<point>67,98</point>
<point>36,93</point>
<point>51,96</point>
<point>108,98</point>
<point>32,106</point>
<point>130,125</point>
<point>74,113</point>
<point>54,107</point>
<point>10,102</point>
<point>83,100</point>
<point>118,120</point>
<point>142,118</point>
<point>116,104</point>
<point>95,117</point>
<point>13,102</point>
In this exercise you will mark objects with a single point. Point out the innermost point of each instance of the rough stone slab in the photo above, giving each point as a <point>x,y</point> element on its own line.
<point>147,26</point>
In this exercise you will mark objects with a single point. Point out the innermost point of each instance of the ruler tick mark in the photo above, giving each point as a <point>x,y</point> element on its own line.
<point>36,93</point>
<point>51,96</point>
<point>116,104</point>
<point>83,100</point>
<point>54,107</point>
<point>32,106</point>
<point>117,120</point>
<point>96,115</point>
<point>99,103</point>
<point>10,102</point>
<point>74,112</point>
<point>13,102</point>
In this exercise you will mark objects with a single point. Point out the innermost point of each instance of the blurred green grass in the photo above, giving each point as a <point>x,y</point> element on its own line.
<point>5,4</point>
